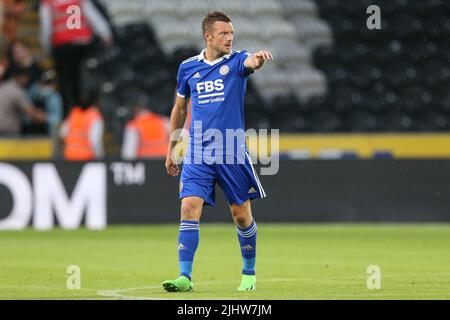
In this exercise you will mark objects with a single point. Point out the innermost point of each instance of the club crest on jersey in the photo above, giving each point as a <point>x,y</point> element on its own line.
<point>224,70</point>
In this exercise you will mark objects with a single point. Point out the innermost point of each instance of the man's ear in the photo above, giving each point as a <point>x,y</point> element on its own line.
<point>207,35</point>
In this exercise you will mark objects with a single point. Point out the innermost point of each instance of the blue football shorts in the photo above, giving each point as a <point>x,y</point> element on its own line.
<point>239,182</point>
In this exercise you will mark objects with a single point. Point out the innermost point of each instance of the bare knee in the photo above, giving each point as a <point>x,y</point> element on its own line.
<point>191,209</point>
<point>242,221</point>
<point>242,215</point>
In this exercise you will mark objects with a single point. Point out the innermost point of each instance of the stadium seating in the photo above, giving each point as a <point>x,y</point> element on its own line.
<point>396,75</point>
<point>330,74</point>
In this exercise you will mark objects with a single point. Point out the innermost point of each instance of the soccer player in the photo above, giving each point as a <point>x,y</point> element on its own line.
<point>215,82</point>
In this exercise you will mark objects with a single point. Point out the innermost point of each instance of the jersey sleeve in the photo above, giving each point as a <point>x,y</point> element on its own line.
<point>243,71</point>
<point>183,89</point>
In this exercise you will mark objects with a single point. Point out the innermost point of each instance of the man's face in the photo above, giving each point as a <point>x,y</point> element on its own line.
<point>220,37</point>
<point>20,53</point>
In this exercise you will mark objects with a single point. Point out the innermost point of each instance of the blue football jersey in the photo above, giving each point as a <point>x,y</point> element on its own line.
<point>217,91</point>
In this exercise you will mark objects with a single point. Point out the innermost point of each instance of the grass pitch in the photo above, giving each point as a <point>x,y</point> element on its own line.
<point>294,261</point>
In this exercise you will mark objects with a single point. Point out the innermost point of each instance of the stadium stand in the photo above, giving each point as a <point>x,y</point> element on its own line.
<point>331,74</point>
<point>391,79</point>
<point>176,35</point>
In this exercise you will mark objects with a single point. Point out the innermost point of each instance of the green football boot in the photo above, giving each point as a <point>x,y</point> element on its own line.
<point>248,283</point>
<point>181,284</point>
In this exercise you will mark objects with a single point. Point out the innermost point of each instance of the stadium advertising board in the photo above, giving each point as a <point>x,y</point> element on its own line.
<point>44,195</point>
<point>70,195</point>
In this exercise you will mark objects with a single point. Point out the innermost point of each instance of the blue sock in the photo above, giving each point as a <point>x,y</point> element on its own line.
<point>188,239</point>
<point>247,240</point>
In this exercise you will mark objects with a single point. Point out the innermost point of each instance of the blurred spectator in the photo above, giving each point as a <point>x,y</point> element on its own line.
<point>45,97</point>
<point>3,66</point>
<point>69,44</point>
<point>2,15</point>
<point>40,88</point>
<point>14,103</point>
<point>19,56</point>
<point>82,132</point>
<point>146,135</point>
<point>13,9</point>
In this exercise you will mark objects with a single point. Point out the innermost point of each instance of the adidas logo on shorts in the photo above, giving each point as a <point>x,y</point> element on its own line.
<point>252,190</point>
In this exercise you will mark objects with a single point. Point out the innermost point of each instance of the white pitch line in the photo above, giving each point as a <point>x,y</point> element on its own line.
<point>117,293</point>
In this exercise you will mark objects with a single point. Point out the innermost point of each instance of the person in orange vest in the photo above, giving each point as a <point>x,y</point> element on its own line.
<point>146,135</point>
<point>67,32</point>
<point>82,132</point>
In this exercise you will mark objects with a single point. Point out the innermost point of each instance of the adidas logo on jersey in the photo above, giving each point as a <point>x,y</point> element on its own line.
<point>247,248</point>
<point>197,75</point>
<point>252,190</point>
<point>181,247</point>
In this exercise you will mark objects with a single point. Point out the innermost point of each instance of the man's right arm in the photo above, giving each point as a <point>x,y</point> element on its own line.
<point>26,106</point>
<point>177,119</point>
<point>35,114</point>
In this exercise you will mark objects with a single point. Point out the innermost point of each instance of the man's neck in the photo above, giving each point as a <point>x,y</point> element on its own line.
<point>212,55</point>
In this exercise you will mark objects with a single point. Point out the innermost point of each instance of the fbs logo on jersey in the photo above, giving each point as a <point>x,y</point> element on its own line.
<point>181,247</point>
<point>252,190</point>
<point>210,86</point>
<point>197,75</point>
<point>247,248</point>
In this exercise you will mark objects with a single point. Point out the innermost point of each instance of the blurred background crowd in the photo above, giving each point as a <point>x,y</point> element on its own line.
<point>114,76</point>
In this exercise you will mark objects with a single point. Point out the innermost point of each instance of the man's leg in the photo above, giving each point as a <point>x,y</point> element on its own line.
<point>188,239</point>
<point>78,89</point>
<point>246,231</point>
<point>63,70</point>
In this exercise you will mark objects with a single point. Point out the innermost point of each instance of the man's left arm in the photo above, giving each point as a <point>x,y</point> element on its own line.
<point>130,143</point>
<point>46,29</point>
<point>256,61</point>
<point>98,22</point>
